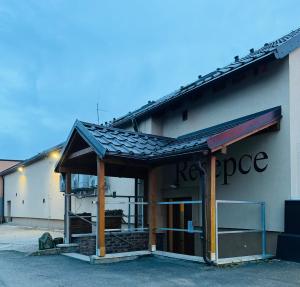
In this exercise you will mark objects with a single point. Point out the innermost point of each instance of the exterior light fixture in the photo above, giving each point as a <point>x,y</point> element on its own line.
<point>20,169</point>
<point>54,154</point>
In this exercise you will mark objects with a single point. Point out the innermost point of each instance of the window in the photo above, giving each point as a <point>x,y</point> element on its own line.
<point>44,200</point>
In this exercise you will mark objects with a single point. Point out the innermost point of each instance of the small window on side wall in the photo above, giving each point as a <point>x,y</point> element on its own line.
<point>184,115</point>
<point>44,200</point>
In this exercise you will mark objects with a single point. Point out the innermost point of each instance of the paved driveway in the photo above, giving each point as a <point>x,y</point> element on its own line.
<point>16,269</point>
<point>22,239</point>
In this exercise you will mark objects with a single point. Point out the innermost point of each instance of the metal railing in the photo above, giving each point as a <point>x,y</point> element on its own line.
<point>190,227</point>
<point>262,228</point>
<point>129,216</point>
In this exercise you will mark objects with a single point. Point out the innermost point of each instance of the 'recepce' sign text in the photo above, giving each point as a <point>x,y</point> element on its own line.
<point>227,167</point>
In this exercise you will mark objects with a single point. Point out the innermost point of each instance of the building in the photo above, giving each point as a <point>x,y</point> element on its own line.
<point>215,161</point>
<point>4,164</point>
<point>31,192</point>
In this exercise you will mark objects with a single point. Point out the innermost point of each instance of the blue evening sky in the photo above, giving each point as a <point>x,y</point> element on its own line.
<point>59,58</point>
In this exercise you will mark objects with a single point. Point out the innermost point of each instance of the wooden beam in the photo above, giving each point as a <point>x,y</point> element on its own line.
<point>68,209</point>
<point>255,131</point>
<point>101,209</point>
<point>152,208</point>
<point>181,219</point>
<point>211,210</point>
<point>123,161</point>
<point>80,153</point>
<point>125,171</point>
<point>79,170</point>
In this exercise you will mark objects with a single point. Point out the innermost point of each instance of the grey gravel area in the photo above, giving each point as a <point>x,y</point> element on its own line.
<point>24,239</point>
<point>18,269</point>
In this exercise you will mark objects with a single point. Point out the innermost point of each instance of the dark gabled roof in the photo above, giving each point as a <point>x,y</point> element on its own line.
<point>277,49</point>
<point>116,141</point>
<point>108,141</point>
<point>31,160</point>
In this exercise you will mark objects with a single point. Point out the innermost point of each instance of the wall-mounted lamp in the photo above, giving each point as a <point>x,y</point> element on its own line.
<point>54,154</point>
<point>20,169</point>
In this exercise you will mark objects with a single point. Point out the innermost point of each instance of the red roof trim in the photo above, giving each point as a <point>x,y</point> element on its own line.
<point>243,130</point>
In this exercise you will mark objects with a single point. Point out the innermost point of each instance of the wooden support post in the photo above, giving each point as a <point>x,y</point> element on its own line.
<point>101,209</point>
<point>181,224</point>
<point>170,225</point>
<point>152,214</point>
<point>211,210</point>
<point>68,191</point>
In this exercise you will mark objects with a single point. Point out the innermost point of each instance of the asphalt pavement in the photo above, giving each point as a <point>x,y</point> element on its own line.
<point>19,269</point>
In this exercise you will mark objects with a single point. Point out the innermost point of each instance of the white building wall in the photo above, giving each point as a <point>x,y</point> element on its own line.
<point>27,189</point>
<point>253,94</point>
<point>294,76</point>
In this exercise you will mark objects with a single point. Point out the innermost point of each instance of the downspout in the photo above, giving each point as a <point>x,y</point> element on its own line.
<point>203,187</point>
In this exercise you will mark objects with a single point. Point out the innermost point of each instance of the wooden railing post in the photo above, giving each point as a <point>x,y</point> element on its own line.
<point>212,209</point>
<point>100,238</point>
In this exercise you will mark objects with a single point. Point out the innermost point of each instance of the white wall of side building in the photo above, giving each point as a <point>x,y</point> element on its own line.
<point>28,188</point>
<point>122,186</point>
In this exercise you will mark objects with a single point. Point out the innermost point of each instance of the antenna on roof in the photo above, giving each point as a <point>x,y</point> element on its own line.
<point>98,112</point>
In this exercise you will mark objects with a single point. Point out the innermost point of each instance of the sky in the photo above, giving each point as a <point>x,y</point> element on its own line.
<point>58,59</point>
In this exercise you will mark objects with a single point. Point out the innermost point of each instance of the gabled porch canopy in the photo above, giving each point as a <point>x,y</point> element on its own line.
<point>106,151</point>
<point>119,147</point>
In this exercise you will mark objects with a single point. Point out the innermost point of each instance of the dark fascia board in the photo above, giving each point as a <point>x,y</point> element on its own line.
<point>86,135</point>
<point>31,160</point>
<point>88,138</point>
<point>18,160</point>
<point>252,126</point>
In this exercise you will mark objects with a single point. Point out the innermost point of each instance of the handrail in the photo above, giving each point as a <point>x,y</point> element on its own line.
<point>238,201</point>
<point>82,218</point>
<point>179,202</point>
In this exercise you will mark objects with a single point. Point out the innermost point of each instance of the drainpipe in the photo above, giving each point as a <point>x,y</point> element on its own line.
<point>203,187</point>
